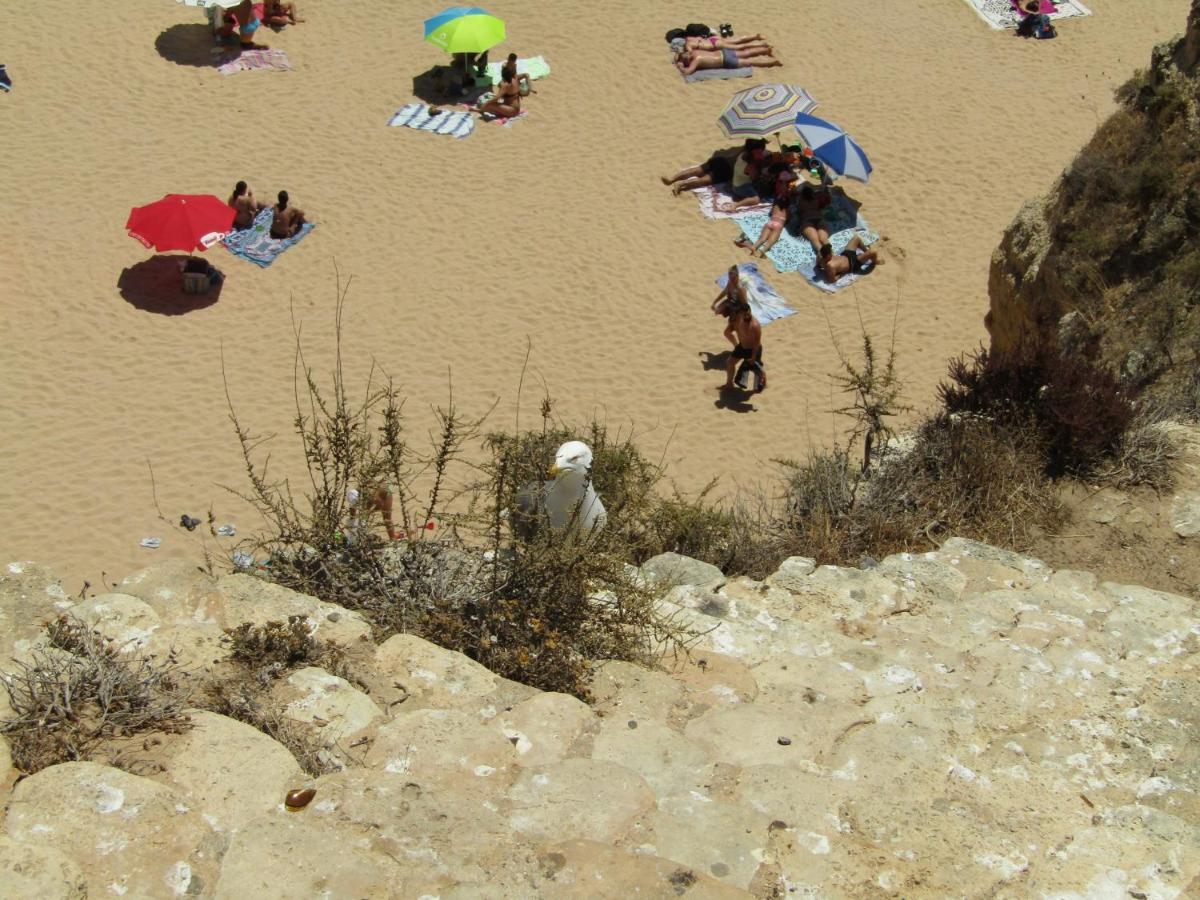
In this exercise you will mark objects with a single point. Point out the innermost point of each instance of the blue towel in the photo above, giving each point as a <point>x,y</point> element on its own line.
<point>765,302</point>
<point>795,254</point>
<point>255,243</point>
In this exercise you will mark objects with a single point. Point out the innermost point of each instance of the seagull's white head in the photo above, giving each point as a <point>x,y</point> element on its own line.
<point>574,457</point>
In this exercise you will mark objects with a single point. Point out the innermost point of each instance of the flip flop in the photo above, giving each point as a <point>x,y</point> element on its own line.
<point>188,522</point>
<point>151,543</point>
<point>227,531</point>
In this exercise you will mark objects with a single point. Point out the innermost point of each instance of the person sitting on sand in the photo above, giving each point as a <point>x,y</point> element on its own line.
<point>690,61</point>
<point>855,259</point>
<point>249,18</point>
<point>278,13</point>
<point>246,206</point>
<point>288,219</point>
<point>523,82</point>
<point>506,104</point>
<point>744,332</point>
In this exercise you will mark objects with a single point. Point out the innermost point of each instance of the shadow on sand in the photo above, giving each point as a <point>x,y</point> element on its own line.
<point>434,87</point>
<point>732,399</point>
<point>187,45</point>
<point>155,285</point>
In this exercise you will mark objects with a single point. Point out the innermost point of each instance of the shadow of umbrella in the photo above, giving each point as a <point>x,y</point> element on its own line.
<point>187,45</point>
<point>156,285</point>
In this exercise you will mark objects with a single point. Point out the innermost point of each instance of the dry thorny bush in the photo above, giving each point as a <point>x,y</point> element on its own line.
<point>79,693</point>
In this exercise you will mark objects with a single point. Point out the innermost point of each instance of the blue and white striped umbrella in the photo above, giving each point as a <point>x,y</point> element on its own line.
<point>451,12</point>
<point>832,146</point>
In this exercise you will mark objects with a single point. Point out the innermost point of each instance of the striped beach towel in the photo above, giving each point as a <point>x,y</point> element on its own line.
<point>1000,13</point>
<point>256,59</point>
<point>416,115</point>
<point>766,304</point>
<point>255,244</point>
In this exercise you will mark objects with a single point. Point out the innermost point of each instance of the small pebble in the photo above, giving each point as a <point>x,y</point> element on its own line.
<point>632,723</point>
<point>784,741</point>
<point>297,800</point>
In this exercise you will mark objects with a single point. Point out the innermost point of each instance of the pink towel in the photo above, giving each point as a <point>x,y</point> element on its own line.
<point>1019,5</point>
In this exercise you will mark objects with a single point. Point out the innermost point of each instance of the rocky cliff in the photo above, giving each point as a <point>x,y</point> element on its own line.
<point>1107,264</point>
<point>966,722</point>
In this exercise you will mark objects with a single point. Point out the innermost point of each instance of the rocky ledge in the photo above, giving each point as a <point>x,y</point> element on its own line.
<point>961,723</point>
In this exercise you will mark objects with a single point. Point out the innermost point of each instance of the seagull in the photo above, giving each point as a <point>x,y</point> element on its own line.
<point>568,500</point>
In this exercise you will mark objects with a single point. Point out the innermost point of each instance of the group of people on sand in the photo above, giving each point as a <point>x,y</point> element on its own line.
<point>709,51</point>
<point>246,18</point>
<point>503,101</point>
<point>287,221</point>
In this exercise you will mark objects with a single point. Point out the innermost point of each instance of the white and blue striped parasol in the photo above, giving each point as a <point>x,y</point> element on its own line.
<point>764,110</point>
<point>832,146</point>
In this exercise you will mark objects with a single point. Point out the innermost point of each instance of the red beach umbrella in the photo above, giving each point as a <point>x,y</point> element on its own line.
<point>181,222</point>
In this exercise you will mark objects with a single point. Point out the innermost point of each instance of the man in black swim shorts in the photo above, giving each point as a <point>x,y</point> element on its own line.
<point>855,259</point>
<point>744,332</point>
<point>717,169</point>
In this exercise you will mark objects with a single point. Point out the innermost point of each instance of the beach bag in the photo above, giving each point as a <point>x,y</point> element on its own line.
<point>695,30</point>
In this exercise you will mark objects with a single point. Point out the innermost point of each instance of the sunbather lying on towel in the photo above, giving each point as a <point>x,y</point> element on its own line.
<point>288,219</point>
<point>717,169</point>
<point>690,60</point>
<point>809,209</point>
<point>771,231</point>
<point>713,42</point>
<point>854,259</point>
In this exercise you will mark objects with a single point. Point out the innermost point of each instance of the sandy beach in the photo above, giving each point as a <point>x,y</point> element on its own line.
<point>554,233</point>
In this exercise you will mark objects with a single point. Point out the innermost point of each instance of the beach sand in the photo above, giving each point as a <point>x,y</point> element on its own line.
<point>556,232</point>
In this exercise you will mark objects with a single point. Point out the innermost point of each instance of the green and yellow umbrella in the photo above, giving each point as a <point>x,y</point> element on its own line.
<point>470,33</point>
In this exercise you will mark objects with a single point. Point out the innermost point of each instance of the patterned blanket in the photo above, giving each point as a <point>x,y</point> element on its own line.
<point>765,302</point>
<point>416,115</point>
<point>255,243</point>
<point>1000,13</point>
<point>795,254</point>
<point>256,59</point>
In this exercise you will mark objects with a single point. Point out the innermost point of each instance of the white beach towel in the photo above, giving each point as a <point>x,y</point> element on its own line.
<point>1000,14</point>
<point>416,115</point>
<point>766,303</point>
<point>711,198</point>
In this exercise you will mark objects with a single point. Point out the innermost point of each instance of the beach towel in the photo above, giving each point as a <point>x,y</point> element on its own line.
<point>793,253</point>
<point>255,243</point>
<point>766,304</point>
<point>416,115</point>
<point>256,59</point>
<point>718,195</point>
<point>718,74</point>
<point>1000,13</point>
<point>535,67</point>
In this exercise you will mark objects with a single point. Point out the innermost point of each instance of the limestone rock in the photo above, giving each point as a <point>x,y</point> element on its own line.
<point>421,674</point>
<point>751,735</point>
<point>180,592</point>
<point>37,872</point>
<point>129,835</point>
<point>577,799</point>
<point>289,855</point>
<point>793,573</point>
<point>443,744</point>
<point>229,771</point>
<point>631,692</point>
<point>1185,514</point>
<point>446,833</point>
<point>30,596</point>
<point>724,840</point>
<point>8,774</point>
<point>583,870</point>
<point>544,728</point>
<point>671,569</point>
<point>196,647</point>
<point>670,763</point>
<point>337,708</point>
<point>127,621</point>
<point>248,599</point>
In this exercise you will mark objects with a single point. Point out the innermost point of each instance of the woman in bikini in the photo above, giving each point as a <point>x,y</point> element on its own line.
<point>288,219</point>
<point>507,102</point>
<point>245,205</point>
<point>771,232</point>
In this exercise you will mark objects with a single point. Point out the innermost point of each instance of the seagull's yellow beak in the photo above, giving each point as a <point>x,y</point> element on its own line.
<point>553,473</point>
